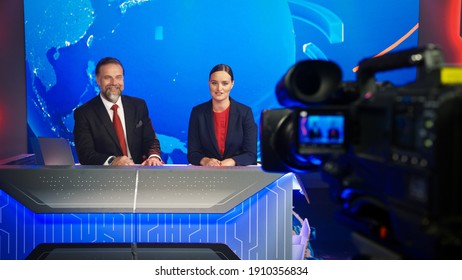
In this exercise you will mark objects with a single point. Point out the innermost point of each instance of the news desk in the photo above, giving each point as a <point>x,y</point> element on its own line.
<point>80,208</point>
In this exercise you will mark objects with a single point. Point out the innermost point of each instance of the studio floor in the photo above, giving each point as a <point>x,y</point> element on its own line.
<point>329,240</point>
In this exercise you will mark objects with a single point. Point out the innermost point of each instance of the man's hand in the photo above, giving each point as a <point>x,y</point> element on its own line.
<point>122,161</point>
<point>152,161</point>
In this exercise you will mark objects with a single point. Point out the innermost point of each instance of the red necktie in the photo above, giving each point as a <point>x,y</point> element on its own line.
<point>119,129</point>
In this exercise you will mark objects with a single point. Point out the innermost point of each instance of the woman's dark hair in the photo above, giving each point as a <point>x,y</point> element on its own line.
<point>108,60</point>
<point>222,67</point>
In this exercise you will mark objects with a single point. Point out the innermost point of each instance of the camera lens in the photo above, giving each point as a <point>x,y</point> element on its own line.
<point>309,82</point>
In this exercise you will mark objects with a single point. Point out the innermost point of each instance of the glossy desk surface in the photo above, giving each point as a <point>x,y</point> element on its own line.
<point>134,189</point>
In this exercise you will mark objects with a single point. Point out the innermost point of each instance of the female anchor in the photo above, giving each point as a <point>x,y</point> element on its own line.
<point>222,131</point>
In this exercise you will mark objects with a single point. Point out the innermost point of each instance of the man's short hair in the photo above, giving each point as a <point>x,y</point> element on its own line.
<point>108,60</point>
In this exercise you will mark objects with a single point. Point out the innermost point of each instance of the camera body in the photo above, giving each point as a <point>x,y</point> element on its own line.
<point>314,96</point>
<point>392,155</point>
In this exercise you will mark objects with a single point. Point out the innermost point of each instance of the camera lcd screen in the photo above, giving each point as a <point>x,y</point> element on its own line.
<point>320,132</point>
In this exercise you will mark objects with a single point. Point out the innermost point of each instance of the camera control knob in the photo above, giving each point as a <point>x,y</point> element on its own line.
<point>428,143</point>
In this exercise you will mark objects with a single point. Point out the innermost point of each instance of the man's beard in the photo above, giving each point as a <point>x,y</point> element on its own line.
<point>112,96</point>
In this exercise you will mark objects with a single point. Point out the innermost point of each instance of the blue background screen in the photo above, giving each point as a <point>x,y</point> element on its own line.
<point>169,46</point>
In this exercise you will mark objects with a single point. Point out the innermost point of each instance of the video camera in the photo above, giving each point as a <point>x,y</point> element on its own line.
<point>392,156</point>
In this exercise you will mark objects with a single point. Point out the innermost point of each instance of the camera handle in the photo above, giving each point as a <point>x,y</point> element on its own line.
<point>427,59</point>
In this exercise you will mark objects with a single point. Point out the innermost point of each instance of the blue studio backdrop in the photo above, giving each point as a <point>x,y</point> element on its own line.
<point>169,46</point>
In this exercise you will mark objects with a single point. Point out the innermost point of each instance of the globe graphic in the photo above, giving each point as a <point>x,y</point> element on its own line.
<point>167,49</point>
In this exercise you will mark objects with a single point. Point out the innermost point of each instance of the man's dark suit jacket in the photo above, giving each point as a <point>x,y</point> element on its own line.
<point>95,137</point>
<point>241,138</point>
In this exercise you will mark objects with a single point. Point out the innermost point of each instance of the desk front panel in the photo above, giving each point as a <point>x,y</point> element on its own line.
<point>142,205</point>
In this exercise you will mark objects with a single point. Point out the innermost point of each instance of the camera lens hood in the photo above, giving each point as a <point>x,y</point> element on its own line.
<point>308,82</point>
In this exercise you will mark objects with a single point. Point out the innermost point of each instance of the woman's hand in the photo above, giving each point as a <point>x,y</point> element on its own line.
<point>215,162</point>
<point>228,162</point>
<point>210,162</point>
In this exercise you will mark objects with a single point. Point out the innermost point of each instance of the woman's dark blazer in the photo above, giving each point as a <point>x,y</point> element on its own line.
<point>241,138</point>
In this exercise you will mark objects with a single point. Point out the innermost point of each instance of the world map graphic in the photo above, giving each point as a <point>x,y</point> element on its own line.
<point>168,47</point>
